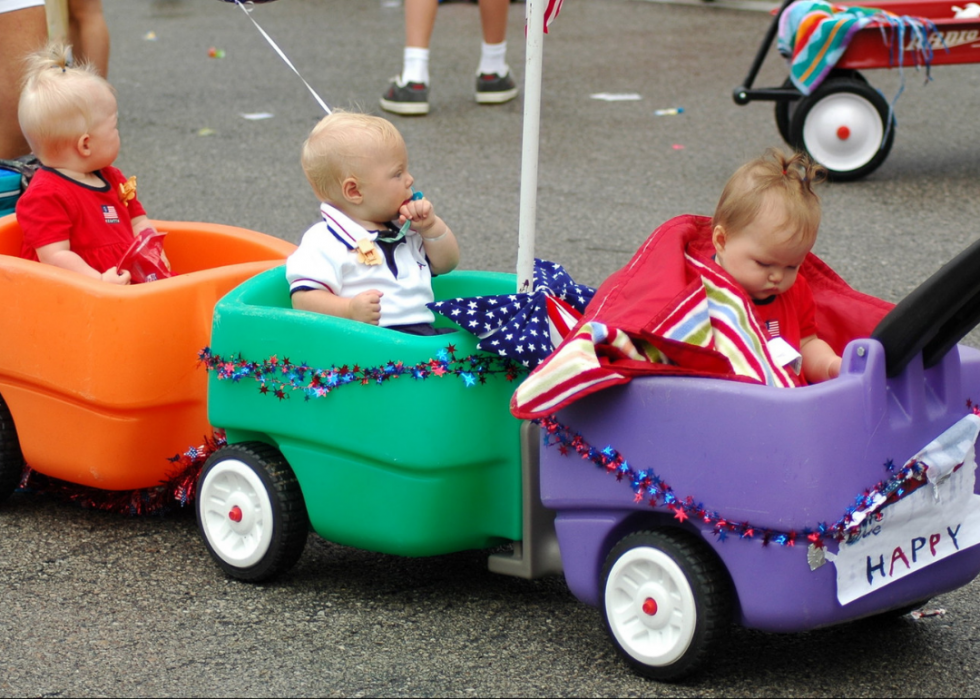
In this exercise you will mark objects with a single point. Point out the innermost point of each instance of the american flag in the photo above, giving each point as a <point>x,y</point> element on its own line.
<point>523,327</point>
<point>554,7</point>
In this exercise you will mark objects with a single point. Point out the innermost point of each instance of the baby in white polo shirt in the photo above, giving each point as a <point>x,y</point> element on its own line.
<point>373,256</point>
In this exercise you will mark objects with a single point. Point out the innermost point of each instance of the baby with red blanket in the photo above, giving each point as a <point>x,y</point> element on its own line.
<point>763,229</point>
<point>737,296</point>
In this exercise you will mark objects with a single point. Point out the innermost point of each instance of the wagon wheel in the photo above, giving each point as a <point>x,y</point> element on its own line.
<point>11,458</point>
<point>784,114</point>
<point>842,125</point>
<point>250,511</point>
<point>666,601</point>
<point>786,108</point>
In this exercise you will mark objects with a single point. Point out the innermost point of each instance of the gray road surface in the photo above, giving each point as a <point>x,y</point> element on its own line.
<point>103,605</point>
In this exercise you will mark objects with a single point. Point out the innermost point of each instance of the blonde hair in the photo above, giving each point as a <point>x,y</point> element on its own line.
<point>56,102</point>
<point>338,145</point>
<point>758,182</point>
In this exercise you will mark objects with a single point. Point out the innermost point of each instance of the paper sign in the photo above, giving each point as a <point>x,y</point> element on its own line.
<point>928,525</point>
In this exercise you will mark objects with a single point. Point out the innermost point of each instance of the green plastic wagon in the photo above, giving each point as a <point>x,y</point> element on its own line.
<point>371,438</point>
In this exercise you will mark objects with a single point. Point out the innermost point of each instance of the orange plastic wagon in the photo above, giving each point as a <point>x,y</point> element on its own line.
<point>99,384</point>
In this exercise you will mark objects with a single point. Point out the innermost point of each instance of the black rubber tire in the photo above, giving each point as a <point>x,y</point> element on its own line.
<point>861,92</point>
<point>11,458</point>
<point>707,581</point>
<point>290,522</point>
<point>784,110</point>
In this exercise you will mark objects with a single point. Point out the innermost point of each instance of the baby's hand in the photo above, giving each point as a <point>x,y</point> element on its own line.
<point>833,369</point>
<point>149,230</point>
<point>112,276</point>
<point>420,212</point>
<point>366,307</point>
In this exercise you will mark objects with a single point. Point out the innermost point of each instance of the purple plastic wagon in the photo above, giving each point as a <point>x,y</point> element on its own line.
<point>781,510</point>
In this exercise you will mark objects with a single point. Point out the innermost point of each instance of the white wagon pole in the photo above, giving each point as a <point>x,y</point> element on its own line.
<point>56,12</point>
<point>534,28</point>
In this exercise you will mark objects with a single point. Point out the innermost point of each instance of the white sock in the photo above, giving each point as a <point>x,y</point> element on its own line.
<point>416,68</point>
<point>492,58</point>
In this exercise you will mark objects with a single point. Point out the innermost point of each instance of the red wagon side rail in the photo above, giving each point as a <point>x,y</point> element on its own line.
<point>955,41</point>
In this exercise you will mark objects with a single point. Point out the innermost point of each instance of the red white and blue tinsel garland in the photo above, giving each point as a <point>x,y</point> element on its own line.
<point>648,485</point>
<point>280,377</point>
<point>179,488</point>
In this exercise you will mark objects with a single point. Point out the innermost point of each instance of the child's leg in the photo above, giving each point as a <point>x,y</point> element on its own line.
<point>493,18</point>
<point>494,84</point>
<point>89,33</point>
<point>420,18</point>
<point>409,91</point>
<point>422,329</point>
<point>21,32</point>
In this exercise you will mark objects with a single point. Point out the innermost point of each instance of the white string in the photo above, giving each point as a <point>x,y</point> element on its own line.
<point>283,56</point>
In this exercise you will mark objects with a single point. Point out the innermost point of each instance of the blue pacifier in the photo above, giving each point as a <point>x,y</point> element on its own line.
<point>408,222</point>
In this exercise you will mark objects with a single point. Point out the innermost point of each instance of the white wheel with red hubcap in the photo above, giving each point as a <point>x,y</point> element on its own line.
<point>650,606</point>
<point>843,126</point>
<point>665,600</point>
<point>250,511</point>
<point>236,513</point>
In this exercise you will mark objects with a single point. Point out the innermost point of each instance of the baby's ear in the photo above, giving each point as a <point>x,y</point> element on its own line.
<point>83,145</point>
<point>351,191</point>
<point>719,237</point>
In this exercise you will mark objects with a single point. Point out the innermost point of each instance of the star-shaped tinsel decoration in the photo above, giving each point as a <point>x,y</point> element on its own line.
<point>524,327</point>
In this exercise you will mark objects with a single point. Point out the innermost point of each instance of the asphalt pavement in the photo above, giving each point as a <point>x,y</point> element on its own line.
<point>95,604</point>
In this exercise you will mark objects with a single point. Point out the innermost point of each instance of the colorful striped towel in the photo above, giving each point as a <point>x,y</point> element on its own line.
<point>671,310</point>
<point>813,35</point>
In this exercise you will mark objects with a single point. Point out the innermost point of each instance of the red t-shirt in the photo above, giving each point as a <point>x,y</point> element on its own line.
<point>790,315</point>
<point>94,221</point>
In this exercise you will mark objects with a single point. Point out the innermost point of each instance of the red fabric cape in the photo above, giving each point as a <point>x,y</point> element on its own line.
<point>638,296</point>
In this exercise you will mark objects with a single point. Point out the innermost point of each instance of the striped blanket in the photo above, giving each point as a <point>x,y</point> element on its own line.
<point>813,36</point>
<point>671,310</point>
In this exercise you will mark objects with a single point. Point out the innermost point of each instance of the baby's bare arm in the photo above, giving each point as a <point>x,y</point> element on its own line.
<point>141,222</point>
<point>364,308</point>
<point>820,362</point>
<point>441,246</point>
<point>61,255</point>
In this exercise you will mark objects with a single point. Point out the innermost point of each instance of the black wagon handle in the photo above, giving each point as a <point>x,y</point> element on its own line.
<point>744,93</point>
<point>935,316</point>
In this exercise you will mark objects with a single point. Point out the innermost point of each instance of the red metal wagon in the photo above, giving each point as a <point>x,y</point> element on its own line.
<point>845,124</point>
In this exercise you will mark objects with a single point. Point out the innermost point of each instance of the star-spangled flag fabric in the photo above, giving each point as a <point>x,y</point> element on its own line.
<point>551,12</point>
<point>525,327</point>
